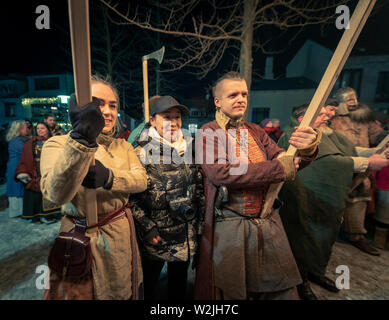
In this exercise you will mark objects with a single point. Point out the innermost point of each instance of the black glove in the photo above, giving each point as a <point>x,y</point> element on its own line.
<point>97,176</point>
<point>87,121</point>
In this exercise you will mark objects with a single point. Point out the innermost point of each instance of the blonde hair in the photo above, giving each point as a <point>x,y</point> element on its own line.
<point>13,131</point>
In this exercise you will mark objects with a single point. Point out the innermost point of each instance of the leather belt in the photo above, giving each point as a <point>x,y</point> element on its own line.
<point>104,218</point>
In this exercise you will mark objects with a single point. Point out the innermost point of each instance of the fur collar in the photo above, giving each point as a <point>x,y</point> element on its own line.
<point>362,114</point>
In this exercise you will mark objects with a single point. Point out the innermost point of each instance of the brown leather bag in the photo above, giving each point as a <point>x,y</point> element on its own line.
<point>71,255</point>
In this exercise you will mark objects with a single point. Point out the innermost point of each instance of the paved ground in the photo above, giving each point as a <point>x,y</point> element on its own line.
<point>369,275</point>
<point>25,246</point>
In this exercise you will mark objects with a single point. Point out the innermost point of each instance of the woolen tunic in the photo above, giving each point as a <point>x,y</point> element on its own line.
<point>242,255</point>
<point>64,165</point>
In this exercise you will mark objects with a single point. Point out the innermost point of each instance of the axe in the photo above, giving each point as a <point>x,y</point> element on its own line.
<point>157,55</point>
<point>79,33</point>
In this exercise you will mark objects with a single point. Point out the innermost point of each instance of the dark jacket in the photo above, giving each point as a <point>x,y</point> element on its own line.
<point>171,206</point>
<point>57,130</point>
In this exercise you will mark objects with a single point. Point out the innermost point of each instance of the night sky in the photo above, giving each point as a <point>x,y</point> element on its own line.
<point>28,50</point>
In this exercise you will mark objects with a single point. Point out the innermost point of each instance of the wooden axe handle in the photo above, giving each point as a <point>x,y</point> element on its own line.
<point>145,91</point>
<point>383,142</point>
<point>80,41</point>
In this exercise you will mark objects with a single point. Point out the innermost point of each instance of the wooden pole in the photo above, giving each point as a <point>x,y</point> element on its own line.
<point>341,54</point>
<point>383,142</point>
<point>145,90</point>
<point>80,41</point>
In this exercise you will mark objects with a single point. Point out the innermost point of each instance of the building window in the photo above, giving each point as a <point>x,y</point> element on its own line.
<point>350,78</point>
<point>7,89</point>
<point>382,92</point>
<point>194,113</point>
<point>10,109</point>
<point>259,114</point>
<point>47,83</point>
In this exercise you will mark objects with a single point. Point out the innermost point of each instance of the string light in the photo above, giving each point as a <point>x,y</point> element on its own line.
<point>29,101</point>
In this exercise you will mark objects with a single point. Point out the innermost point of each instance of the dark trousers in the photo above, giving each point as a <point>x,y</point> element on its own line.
<point>177,278</point>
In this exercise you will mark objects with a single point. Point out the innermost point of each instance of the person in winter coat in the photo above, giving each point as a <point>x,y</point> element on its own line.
<point>381,214</point>
<point>316,199</point>
<point>55,129</point>
<point>17,136</point>
<point>168,214</point>
<point>356,121</point>
<point>273,132</point>
<point>66,174</point>
<point>35,208</point>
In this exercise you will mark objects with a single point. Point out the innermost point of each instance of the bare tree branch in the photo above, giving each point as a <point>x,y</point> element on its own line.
<point>206,29</point>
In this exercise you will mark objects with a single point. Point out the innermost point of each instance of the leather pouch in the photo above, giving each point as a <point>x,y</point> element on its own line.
<point>71,255</point>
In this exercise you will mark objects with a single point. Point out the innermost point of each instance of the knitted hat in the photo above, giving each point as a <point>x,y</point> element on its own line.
<point>264,122</point>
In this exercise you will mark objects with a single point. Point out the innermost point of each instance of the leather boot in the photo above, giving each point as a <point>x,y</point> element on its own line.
<point>323,282</point>
<point>305,291</point>
<point>364,247</point>
<point>380,237</point>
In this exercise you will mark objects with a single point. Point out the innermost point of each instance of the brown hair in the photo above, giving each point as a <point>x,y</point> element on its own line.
<point>96,78</point>
<point>49,134</point>
<point>231,75</point>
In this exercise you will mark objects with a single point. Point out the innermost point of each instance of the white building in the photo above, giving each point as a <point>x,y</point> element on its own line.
<point>43,96</point>
<point>275,98</point>
<point>33,96</point>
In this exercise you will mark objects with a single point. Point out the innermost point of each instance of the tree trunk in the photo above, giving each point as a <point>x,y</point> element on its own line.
<point>246,59</point>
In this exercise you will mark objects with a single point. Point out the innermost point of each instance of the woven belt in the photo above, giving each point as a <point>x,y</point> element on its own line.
<point>104,218</point>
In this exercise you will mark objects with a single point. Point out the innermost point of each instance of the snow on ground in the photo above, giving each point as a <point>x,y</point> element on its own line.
<point>25,246</point>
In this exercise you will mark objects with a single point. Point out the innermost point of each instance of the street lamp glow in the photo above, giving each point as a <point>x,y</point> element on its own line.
<point>64,99</point>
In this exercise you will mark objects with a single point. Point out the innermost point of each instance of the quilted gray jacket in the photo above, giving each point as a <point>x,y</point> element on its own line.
<point>173,204</point>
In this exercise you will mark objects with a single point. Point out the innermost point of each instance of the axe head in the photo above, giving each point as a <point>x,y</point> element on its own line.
<point>157,55</point>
